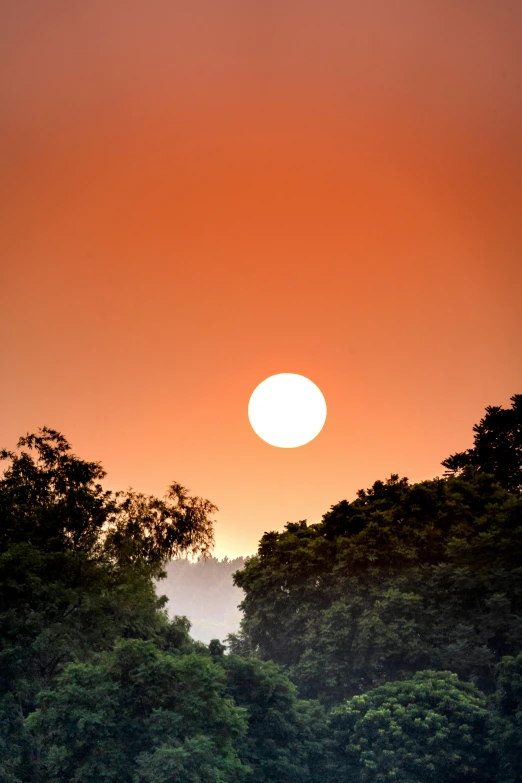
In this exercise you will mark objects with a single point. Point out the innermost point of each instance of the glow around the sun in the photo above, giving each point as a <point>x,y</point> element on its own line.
<point>287,410</point>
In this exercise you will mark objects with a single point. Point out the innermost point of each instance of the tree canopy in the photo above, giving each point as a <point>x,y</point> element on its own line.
<point>139,715</point>
<point>430,728</point>
<point>507,722</point>
<point>76,568</point>
<point>383,643</point>
<point>285,737</point>
<point>497,447</point>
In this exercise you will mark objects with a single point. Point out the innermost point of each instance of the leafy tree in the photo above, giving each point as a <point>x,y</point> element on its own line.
<point>507,732</point>
<point>404,578</point>
<point>14,745</point>
<point>76,568</point>
<point>497,446</point>
<point>285,738</point>
<point>139,715</point>
<point>427,729</point>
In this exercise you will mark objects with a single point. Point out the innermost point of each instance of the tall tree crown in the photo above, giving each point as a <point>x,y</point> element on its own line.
<point>497,446</point>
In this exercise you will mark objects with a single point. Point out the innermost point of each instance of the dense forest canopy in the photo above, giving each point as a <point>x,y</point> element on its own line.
<point>383,643</point>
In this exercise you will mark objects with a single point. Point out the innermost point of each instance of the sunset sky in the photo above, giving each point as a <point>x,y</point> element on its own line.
<point>198,195</point>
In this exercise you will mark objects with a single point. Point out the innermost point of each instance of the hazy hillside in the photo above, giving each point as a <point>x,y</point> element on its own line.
<point>203,591</point>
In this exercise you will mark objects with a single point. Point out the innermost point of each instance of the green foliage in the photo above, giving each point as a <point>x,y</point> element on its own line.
<point>285,738</point>
<point>427,729</point>
<point>76,568</point>
<point>139,715</point>
<point>96,684</point>
<point>404,578</point>
<point>375,604</point>
<point>14,746</point>
<point>507,734</point>
<point>497,446</point>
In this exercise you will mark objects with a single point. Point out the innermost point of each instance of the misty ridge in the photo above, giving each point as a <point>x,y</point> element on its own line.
<point>381,644</point>
<point>204,593</point>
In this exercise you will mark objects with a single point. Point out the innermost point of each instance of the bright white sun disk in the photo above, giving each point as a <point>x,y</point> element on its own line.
<point>287,410</point>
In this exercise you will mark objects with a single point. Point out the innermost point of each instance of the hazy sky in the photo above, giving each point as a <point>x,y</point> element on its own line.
<point>198,195</point>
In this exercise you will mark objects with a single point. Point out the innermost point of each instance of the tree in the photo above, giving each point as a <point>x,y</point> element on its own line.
<point>76,568</point>
<point>507,727</point>
<point>139,715</point>
<point>427,729</point>
<point>404,578</point>
<point>284,742</point>
<point>497,446</point>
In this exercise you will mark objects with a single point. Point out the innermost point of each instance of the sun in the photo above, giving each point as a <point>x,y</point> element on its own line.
<point>287,410</point>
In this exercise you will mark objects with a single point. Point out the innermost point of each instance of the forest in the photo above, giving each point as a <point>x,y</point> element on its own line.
<point>382,644</point>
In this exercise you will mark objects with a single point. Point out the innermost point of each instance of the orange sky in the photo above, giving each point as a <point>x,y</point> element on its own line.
<point>198,195</point>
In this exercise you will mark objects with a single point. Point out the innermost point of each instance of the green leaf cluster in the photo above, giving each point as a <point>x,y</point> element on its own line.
<point>430,728</point>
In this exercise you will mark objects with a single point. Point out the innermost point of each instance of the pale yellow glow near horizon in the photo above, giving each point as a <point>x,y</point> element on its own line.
<point>287,410</point>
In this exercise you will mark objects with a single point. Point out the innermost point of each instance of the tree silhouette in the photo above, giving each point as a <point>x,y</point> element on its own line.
<point>497,446</point>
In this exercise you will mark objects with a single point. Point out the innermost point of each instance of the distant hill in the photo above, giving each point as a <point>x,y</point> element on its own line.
<point>204,592</point>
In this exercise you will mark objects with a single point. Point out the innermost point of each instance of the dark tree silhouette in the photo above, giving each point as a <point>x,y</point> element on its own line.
<point>497,446</point>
